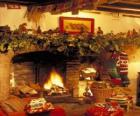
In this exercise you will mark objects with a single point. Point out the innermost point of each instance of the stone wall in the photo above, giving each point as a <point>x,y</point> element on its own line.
<point>72,76</point>
<point>5,69</point>
<point>24,72</point>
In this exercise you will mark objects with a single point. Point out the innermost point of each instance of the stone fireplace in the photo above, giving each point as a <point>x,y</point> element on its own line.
<point>36,67</point>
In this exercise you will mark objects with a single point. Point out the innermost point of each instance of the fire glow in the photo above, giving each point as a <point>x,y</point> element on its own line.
<point>54,79</point>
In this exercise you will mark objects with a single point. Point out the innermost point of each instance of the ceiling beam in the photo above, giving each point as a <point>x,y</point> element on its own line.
<point>48,2</point>
<point>118,9</point>
<point>113,1</point>
<point>35,2</point>
<point>130,15</point>
<point>130,2</point>
<point>121,5</point>
<point>17,2</point>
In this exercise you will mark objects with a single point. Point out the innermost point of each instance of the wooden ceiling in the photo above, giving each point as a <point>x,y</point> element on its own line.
<point>119,6</point>
<point>124,6</point>
<point>34,2</point>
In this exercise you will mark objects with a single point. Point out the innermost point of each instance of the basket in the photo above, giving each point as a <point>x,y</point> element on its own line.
<point>100,94</point>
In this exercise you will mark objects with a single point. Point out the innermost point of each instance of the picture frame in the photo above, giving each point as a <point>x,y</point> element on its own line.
<point>75,25</point>
<point>13,6</point>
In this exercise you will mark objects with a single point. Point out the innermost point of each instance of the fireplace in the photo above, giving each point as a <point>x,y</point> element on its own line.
<point>53,79</point>
<point>42,67</point>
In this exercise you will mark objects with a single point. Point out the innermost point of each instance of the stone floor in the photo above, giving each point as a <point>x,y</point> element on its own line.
<point>73,109</point>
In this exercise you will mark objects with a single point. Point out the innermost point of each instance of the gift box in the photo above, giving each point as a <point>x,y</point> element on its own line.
<point>109,109</point>
<point>98,111</point>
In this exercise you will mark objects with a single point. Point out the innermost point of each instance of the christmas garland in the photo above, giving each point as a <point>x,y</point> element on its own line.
<point>68,44</point>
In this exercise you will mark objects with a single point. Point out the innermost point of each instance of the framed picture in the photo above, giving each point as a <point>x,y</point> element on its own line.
<point>76,25</point>
<point>13,6</point>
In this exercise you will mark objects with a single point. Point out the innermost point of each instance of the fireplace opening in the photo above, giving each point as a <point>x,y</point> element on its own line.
<point>54,74</point>
<point>54,79</point>
<point>37,67</point>
<point>54,84</point>
<point>49,71</point>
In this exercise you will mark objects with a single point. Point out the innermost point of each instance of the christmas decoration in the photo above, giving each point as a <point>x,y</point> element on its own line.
<point>107,109</point>
<point>38,105</point>
<point>80,44</point>
<point>122,67</point>
<point>108,48</point>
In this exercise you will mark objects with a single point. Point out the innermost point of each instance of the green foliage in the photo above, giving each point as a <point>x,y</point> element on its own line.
<point>67,44</point>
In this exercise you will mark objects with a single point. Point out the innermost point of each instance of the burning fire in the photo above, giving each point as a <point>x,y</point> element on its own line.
<point>55,79</point>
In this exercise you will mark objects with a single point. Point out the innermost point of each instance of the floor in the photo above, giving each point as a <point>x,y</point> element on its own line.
<point>133,112</point>
<point>75,109</point>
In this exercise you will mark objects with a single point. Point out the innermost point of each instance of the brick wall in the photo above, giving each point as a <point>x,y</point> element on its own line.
<point>23,72</point>
<point>72,76</point>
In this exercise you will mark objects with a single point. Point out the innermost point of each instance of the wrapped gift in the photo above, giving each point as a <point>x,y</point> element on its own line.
<point>110,109</point>
<point>97,111</point>
<point>38,105</point>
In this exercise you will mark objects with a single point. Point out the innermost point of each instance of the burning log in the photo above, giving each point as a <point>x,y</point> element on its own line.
<point>54,85</point>
<point>56,90</point>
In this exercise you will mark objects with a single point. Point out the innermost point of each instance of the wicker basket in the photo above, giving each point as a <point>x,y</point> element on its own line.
<point>101,94</point>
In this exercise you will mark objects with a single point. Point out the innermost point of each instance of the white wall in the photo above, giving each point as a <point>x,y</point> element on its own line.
<point>12,17</point>
<point>108,21</point>
<point>134,68</point>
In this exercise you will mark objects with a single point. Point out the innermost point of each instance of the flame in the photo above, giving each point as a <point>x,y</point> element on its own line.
<point>55,79</point>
